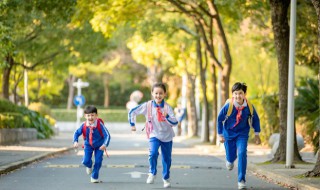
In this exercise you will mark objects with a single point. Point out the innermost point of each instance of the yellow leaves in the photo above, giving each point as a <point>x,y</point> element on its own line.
<point>36,22</point>
<point>152,52</point>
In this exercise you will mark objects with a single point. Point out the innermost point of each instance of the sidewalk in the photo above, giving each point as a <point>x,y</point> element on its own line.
<point>16,156</point>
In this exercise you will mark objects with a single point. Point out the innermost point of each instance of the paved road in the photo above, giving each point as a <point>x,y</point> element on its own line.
<point>127,169</point>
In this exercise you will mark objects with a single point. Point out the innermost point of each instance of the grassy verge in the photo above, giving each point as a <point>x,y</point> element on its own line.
<point>108,115</point>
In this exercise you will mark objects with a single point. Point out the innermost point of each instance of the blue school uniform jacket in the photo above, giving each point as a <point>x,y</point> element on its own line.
<point>242,128</point>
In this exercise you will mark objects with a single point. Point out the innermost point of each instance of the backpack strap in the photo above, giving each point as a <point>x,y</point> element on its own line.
<point>250,107</point>
<point>84,128</point>
<point>149,110</point>
<point>230,106</point>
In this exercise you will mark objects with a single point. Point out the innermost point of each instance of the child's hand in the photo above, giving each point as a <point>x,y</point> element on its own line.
<point>221,139</point>
<point>133,128</point>
<point>164,114</point>
<point>103,147</point>
<point>75,144</point>
<point>257,139</point>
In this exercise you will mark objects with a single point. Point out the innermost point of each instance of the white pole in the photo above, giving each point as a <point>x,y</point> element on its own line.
<point>290,116</point>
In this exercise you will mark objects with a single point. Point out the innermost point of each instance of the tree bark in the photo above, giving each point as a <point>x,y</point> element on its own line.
<point>106,90</point>
<point>214,104</point>
<point>315,172</point>
<point>191,107</point>
<point>6,76</point>
<point>71,79</point>
<point>205,112</point>
<point>279,17</point>
<point>227,66</point>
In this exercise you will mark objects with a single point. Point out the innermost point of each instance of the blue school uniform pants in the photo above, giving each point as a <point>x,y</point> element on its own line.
<point>237,147</point>
<point>87,160</point>
<point>166,150</point>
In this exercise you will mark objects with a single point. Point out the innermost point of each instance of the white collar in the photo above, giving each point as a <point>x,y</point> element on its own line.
<point>237,105</point>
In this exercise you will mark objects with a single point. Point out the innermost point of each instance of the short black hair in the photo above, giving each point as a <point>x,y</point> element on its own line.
<point>90,109</point>
<point>160,85</point>
<point>239,86</point>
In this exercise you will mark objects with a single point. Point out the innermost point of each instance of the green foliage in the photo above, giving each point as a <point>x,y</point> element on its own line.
<point>38,122</point>
<point>13,116</point>
<point>11,120</point>
<point>307,108</point>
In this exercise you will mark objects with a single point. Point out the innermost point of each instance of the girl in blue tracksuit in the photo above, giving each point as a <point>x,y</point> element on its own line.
<point>96,139</point>
<point>160,132</point>
<point>234,130</point>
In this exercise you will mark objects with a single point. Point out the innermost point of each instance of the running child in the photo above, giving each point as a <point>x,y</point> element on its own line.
<point>234,127</point>
<point>160,120</point>
<point>96,140</point>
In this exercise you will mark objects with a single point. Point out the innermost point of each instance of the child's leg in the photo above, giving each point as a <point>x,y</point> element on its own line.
<point>166,150</point>
<point>231,150</point>
<point>98,157</point>
<point>154,144</point>
<point>242,143</point>
<point>87,157</point>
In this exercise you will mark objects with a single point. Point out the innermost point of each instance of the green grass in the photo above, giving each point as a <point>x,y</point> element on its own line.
<point>110,115</point>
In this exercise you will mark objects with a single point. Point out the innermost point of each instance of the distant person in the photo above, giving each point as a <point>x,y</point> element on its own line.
<point>96,140</point>
<point>234,121</point>
<point>160,120</point>
<point>180,114</point>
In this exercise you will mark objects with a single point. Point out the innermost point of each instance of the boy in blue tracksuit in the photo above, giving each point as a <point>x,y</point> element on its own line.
<point>234,130</point>
<point>96,139</point>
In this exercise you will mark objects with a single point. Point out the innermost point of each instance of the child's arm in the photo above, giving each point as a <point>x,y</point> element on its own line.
<point>106,135</point>
<point>221,117</point>
<point>256,126</point>
<point>170,117</point>
<point>76,135</point>
<point>140,109</point>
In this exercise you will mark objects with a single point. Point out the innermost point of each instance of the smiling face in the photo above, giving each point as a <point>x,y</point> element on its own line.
<point>91,117</point>
<point>158,94</point>
<point>239,96</point>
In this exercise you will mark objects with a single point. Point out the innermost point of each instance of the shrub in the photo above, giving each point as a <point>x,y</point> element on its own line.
<point>11,120</point>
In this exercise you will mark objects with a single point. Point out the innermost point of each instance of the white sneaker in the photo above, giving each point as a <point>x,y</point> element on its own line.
<point>229,165</point>
<point>94,180</point>
<point>151,178</point>
<point>89,170</point>
<point>242,185</point>
<point>166,183</point>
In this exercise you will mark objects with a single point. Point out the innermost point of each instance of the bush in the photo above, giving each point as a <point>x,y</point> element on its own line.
<point>11,120</point>
<point>13,116</point>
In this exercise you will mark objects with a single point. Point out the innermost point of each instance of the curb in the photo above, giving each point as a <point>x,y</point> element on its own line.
<point>281,179</point>
<point>16,165</point>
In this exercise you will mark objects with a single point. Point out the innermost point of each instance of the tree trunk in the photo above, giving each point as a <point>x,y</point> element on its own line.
<point>6,76</point>
<point>315,172</point>
<point>205,112</point>
<point>279,16</point>
<point>191,107</point>
<point>214,104</point>
<point>106,90</point>
<point>71,79</point>
<point>226,71</point>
